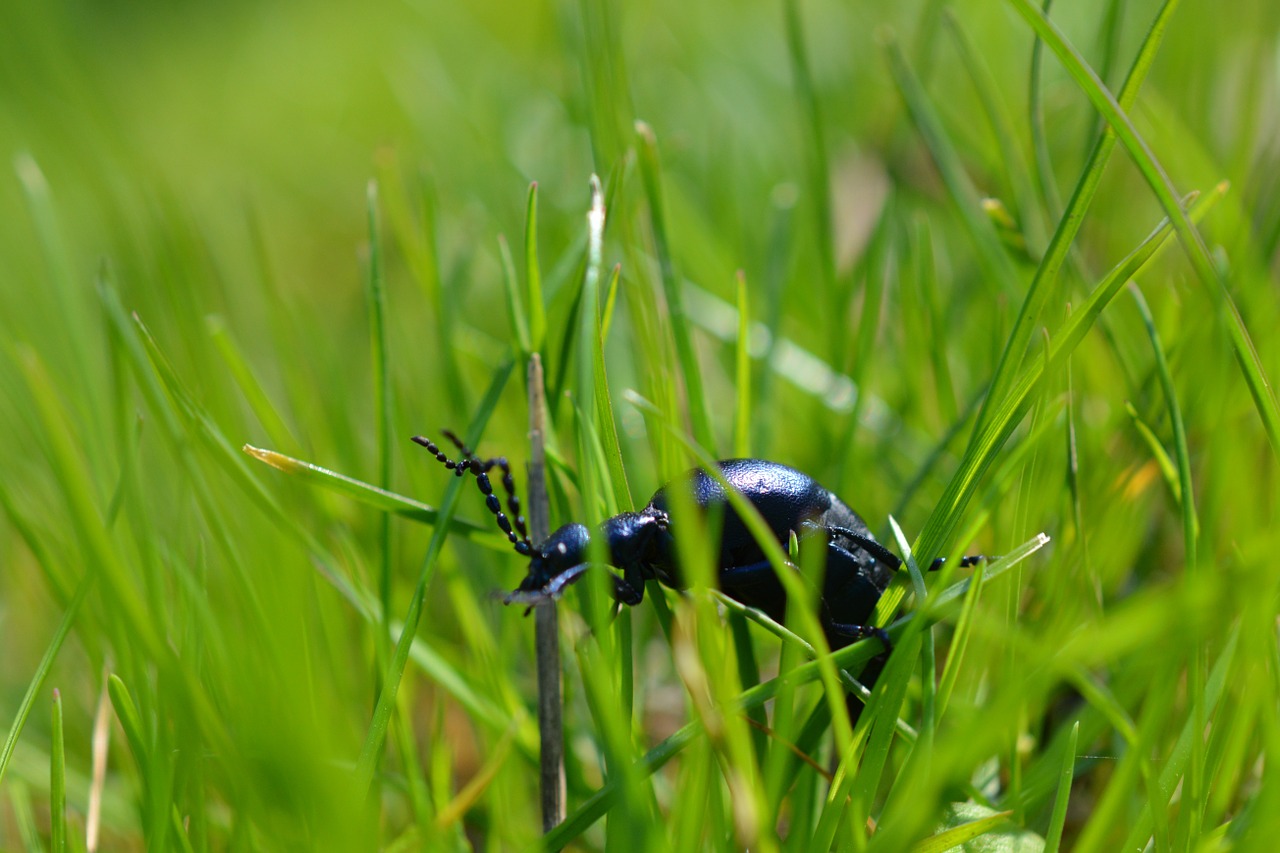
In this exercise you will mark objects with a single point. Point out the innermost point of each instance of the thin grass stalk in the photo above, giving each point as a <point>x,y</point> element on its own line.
<point>1045,179</point>
<point>57,780</point>
<point>533,274</point>
<point>546,626</point>
<point>1058,817</point>
<point>695,395</point>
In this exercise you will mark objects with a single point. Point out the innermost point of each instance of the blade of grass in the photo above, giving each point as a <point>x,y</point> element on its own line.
<point>57,780</point>
<point>742,375</point>
<point>312,474</point>
<point>42,669</point>
<point>130,721</point>
<point>24,816</point>
<point>1058,817</point>
<point>1168,468</point>
<point>511,289</point>
<point>960,640</point>
<point>944,390</point>
<point>64,283</point>
<point>958,836</point>
<point>696,397</point>
<point>91,531</point>
<point>1046,181</point>
<point>863,759</point>
<point>610,301</point>
<point>100,745</point>
<point>608,431</point>
<point>375,304</point>
<point>533,274</point>
<point>248,383</point>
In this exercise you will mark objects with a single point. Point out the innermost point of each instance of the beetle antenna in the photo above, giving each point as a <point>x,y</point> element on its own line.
<point>508,481</point>
<point>469,463</point>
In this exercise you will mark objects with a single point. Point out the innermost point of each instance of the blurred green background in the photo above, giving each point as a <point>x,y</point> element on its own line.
<point>207,168</point>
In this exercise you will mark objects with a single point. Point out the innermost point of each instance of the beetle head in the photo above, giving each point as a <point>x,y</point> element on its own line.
<point>559,561</point>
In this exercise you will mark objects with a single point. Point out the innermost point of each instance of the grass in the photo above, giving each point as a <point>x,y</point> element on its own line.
<point>985,271</point>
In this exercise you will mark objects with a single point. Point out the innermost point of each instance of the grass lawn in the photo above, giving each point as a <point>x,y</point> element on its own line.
<point>984,274</point>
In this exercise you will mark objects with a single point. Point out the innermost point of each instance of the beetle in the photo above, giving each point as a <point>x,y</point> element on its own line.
<point>641,544</point>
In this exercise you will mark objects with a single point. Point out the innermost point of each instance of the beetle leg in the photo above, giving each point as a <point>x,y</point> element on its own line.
<point>748,574</point>
<point>849,596</point>
<point>965,562</point>
<point>866,543</point>
<point>861,632</point>
<point>628,588</point>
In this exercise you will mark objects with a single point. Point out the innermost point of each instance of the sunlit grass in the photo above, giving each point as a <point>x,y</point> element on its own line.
<point>847,238</point>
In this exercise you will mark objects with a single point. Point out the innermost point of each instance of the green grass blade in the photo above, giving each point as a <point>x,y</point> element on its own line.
<point>651,176</point>
<point>42,671</point>
<point>1168,469</point>
<point>511,290</point>
<point>1039,137</point>
<point>1058,817</point>
<point>384,403</point>
<point>75,320</point>
<point>24,817</point>
<point>130,721</point>
<point>742,375</point>
<point>57,780</point>
<point>958,836</point>
<point>87,519</point>
<point>267,414</point>
<point>533,274</point>
<point>608,431</point>
<point>935,331</point>
<point>376,301</point>
<point>960,640</point>
<point>375,497</point>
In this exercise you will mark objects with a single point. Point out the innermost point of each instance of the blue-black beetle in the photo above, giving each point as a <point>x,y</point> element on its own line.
<point>640,544</point>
